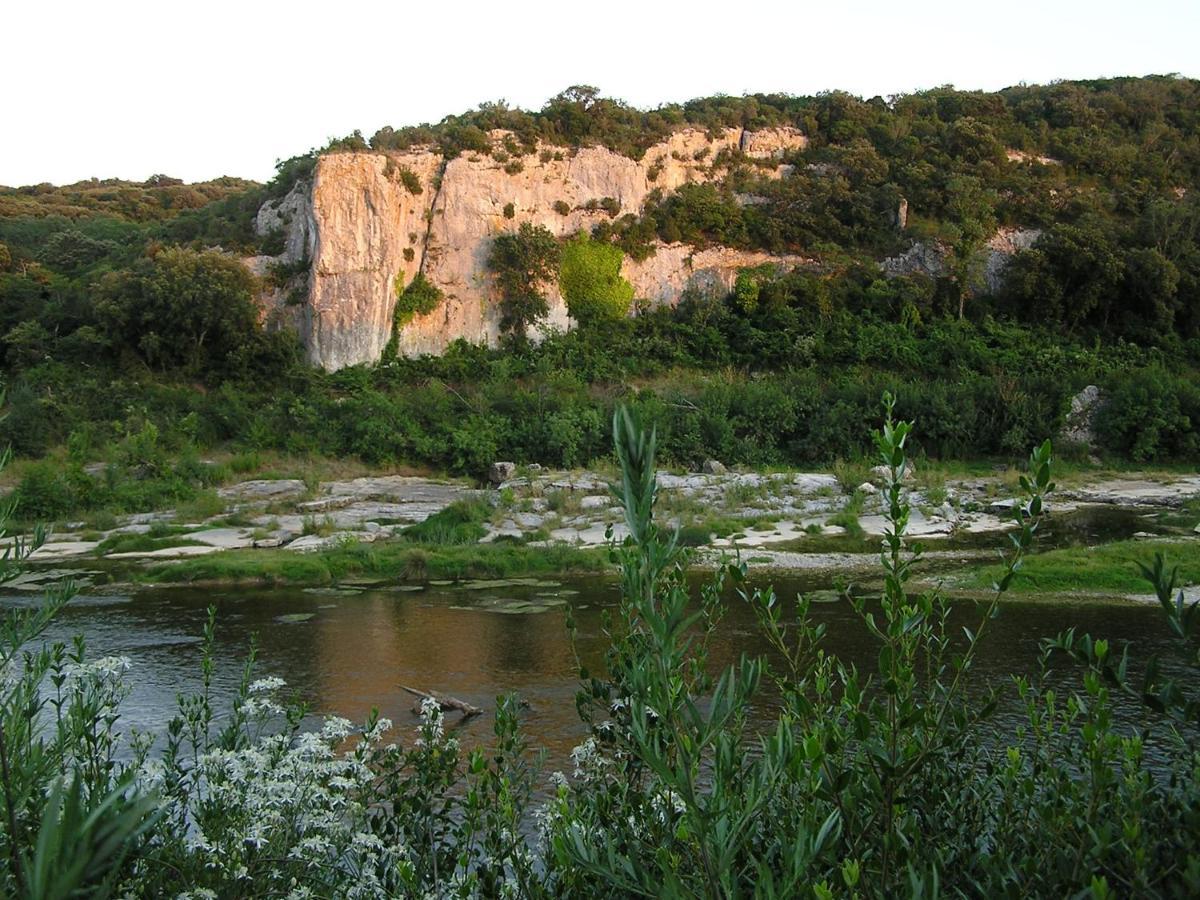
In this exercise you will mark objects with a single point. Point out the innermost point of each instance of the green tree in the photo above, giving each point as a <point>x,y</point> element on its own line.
<point>591,282</point>
<point>971,208</point>
<point>181,308</point>
<point>523,262</point>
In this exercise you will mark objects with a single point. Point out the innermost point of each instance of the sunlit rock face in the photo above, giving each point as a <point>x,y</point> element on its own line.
<point>367,226</point>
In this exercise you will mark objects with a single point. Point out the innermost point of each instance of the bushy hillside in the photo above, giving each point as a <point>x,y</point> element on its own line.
<point>104,327</point>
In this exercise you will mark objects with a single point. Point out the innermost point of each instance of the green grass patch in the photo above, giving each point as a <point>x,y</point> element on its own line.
<point>459,523</point>
<point>848,517</point>
<point>393,560</point>
<point>1111,568</point>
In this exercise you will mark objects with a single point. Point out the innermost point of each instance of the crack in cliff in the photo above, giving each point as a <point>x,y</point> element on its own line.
<point>429,213</point>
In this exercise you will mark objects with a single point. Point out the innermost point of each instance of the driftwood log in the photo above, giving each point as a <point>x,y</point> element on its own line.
<point>445,703</point>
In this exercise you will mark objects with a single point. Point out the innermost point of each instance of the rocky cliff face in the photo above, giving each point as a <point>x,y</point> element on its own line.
<point>369,221</point>
<point>930,259</point>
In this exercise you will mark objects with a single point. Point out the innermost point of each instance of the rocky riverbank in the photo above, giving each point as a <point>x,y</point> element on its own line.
<point>785,520</point>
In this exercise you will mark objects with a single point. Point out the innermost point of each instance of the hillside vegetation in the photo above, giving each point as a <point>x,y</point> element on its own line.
<point>124,311</point>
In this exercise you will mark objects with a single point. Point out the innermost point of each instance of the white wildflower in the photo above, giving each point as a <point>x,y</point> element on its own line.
<point>336,728</point>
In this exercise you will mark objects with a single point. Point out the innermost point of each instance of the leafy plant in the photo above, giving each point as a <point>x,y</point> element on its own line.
<point>591,283</point>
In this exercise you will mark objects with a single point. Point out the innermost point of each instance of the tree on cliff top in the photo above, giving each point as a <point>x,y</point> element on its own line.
<point>523,261</point>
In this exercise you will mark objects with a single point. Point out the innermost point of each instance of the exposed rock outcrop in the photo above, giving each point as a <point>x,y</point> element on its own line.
<point>1079,428</point>
<point>923,258</point>
<point>366,233</point>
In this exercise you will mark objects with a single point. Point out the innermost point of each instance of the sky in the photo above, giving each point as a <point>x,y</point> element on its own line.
<point>197,90</point>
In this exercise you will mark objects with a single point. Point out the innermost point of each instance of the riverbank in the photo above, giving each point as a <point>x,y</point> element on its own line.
<point>289,531</point>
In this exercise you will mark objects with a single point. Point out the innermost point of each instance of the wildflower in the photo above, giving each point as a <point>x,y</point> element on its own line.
<point>266,685</point>
<point>336,728</point>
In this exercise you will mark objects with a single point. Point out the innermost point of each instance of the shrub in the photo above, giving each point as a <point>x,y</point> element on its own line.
<point>591,282</point>
<point>421,297</point>
<point>1152,415</point>
<point>44,493</point>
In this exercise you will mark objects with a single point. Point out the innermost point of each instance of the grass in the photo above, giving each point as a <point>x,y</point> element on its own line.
<point>848,517</point>
<point>1186,517</point>
<point>204,505</point>
<point>851,475</point>
<point>322,527</point>
<point>1111,568</point>
<point>564,502</point>
<point>459,523</point>
<point>395,559</point>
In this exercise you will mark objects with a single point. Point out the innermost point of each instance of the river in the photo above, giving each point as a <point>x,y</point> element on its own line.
<point>345,651</point>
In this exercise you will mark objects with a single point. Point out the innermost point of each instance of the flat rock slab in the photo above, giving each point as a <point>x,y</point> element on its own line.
<point>589,536</point>
<point>223,538</point>
<point>63,549</point>
<point>1138,491</point>
<point>312,543</point>
<point>781,532</point>
<point>264,489</point>
<point>166,552</point>
<point>1191,594</point>
<point>44,578</point>
<point>401,488</point>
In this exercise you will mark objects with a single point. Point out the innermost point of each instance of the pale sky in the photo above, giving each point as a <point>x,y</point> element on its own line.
<point>123,88</point>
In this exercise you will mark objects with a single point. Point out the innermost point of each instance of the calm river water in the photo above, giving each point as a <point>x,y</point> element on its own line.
<point>353,650</point>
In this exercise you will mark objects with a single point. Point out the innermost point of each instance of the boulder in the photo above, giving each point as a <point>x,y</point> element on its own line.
<point>501,472</point>
<point>867,488</point>
<point>1079,427</point>
<point>880,474</point>
<point>712,467</point>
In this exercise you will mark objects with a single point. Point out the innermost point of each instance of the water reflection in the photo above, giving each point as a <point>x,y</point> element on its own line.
<point>357,649</point>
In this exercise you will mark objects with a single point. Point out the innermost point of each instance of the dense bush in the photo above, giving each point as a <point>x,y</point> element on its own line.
<point>591,283</point>
<point>1152,414</point>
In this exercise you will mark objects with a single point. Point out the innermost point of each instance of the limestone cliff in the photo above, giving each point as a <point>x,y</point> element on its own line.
<point>370,220</point>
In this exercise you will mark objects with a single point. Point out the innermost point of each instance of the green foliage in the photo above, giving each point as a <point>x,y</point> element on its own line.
<point>159,198</point>
<point>522,262</point>
<point>459,523</point>
<point>874,780</point>
<point>420,298</point>
<point>1152,414</point>
<point>591,283</point>
<point>404,175</point>
<point>186,309</point>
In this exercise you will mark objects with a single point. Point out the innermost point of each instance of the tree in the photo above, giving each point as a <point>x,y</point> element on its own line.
<point>971,208</point>
<point>181,308</point>
<point>523,261</point>
<point>591,282</point>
